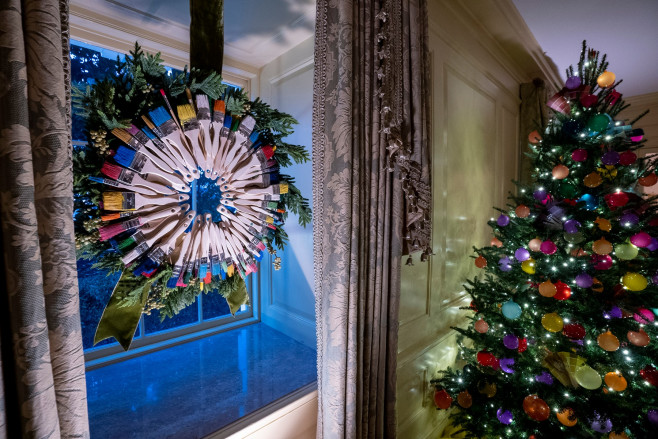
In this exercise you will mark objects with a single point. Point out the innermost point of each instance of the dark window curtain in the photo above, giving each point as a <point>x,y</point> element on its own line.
<point>369,103</point>
<point>43,391</point>
<point>533,116</point>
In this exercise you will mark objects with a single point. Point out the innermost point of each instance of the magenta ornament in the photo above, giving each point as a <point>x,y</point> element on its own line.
<point>643,316</point>
<point>584,280</point>
<point>505,416</point>
<point>522,254</point>
<point>627,158</point>
<point>602,262</point>
<point>548,247</point>
<point>511,341</point>
<point>506,365</point>
<point>642,239</point>
<point>588,100</point>
<point>610,158</point>
<point>579,155</point>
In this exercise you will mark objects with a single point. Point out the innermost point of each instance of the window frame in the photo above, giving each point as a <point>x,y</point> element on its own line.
<point>91,24</point>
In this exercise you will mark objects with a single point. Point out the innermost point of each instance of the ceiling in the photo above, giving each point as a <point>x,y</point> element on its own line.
<point>627,31</point>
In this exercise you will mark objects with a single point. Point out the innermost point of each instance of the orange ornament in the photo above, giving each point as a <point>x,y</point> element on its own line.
<point>592,180</point>
<point>495,242</point>
<point>602,247</point>
<point>597,285</point>
<point>615,381</point>
<point>480,262</point>
<point>560,172</point>
<point>547,289</point>
<point>608,341</point>
<point>567,417</point>
<point>603,224</point>
<point>648,180</point>
<point>465,399</point>
<point>522,211</point>
<point>534,137</point>
<point>638,338</point>
<point>614,435</point>
<point>536,408</point>
<point>535,244</point>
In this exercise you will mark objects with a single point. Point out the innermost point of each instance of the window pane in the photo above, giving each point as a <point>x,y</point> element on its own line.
<point>187,316</point>
<point>214,305</point>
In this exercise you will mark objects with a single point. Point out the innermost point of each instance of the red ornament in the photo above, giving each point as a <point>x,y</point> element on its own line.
<point>627,158</point>
<point>486,358</point>
<point>442,399</point>
<point>616,199</point>
<point>563,291</point>
<point>536,408</point>
<point>648,180</point>
<point>574,331</point>
<point>523,344</point>
<point>653,222</point>
<point>650,375</point>
<point>472,306</point>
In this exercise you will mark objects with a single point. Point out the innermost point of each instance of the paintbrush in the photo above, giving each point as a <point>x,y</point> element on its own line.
<point>132,201</point>
<point>235,196</point>
<point>133,179</point>
<point>216,130</point>
<point>180,261</point>
<point>173,138</point>
<point>174,158</point>
<point>110,216</point>
<point>118,185</point>
<point>141,143</point>
<point>241,143</point>
<point>150,241</point>
<point>226,140</point>
<point>217,255</point>
<point>203,116</point>
<point>158,253</point>
<point>137,236</point>
<point>142,164</point>
<point>188,259</point>
<point>111,230</point>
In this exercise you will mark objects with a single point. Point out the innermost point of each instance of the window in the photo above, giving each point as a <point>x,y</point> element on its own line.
<point>90,64</point>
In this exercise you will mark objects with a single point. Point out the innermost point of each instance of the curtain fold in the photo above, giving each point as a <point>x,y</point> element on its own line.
<point>533,116</point>
<point>370,115</point>
<point>42,360</point>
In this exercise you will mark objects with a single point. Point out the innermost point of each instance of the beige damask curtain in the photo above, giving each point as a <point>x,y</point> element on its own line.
<point>370,100</point>
<point>42,380</point>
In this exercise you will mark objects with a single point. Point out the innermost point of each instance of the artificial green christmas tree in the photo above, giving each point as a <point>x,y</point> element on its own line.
<point>563,338</point>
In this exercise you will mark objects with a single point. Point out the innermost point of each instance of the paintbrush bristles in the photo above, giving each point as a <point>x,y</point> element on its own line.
<point>122,134</point>
<point>186,112</point>
<point>220,106</point>
<point>113,200</point>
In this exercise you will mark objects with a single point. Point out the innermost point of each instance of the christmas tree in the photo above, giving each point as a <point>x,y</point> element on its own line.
<point>563,340</point>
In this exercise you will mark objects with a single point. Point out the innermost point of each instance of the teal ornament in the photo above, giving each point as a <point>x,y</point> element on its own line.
<point>511,310</point>
<point>598,123</point>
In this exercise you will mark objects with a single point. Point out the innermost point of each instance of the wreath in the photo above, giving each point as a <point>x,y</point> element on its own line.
<point>179,187</point>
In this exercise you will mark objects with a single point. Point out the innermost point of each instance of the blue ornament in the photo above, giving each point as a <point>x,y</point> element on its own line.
<point>511,310</point>
<point>591,202</point>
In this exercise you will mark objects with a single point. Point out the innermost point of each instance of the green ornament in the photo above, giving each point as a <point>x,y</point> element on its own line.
<point>626,251</point>
<point>574,238</point>
<point>568,190</point>
<point>598,123</point>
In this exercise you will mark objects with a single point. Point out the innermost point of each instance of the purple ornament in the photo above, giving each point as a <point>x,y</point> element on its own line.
<point>629,219</point>
<point>652,415</point>
<point>653,245</point>
<point>642,239</point>
<point>573,82</point>
<point>545,378</point>
<point>614,313</point>
<point>511,341</point>
<point>522,254</point>
<point>601,425</point>
<point>654,278</point>
<point>506,364</point>
<point>579,155</point>
<point>503,220</point>
<point>540,194</point>
<point>505,417</point>
<point>610,158</point>
<point>584,280</point>
<point>505,263</point>
<point>571,226</point>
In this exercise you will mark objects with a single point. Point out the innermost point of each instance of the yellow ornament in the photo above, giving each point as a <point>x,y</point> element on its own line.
<point>528,266</point>
<point>552,322</point>
<point>592,180</point>
<point>588,377</point>
<point>634,281</point>
<point>609,171</point>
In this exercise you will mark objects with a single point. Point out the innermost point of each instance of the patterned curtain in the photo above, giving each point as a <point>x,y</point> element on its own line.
<point>42,371</point>
<point>370,114</point>
<point>534,116</point>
